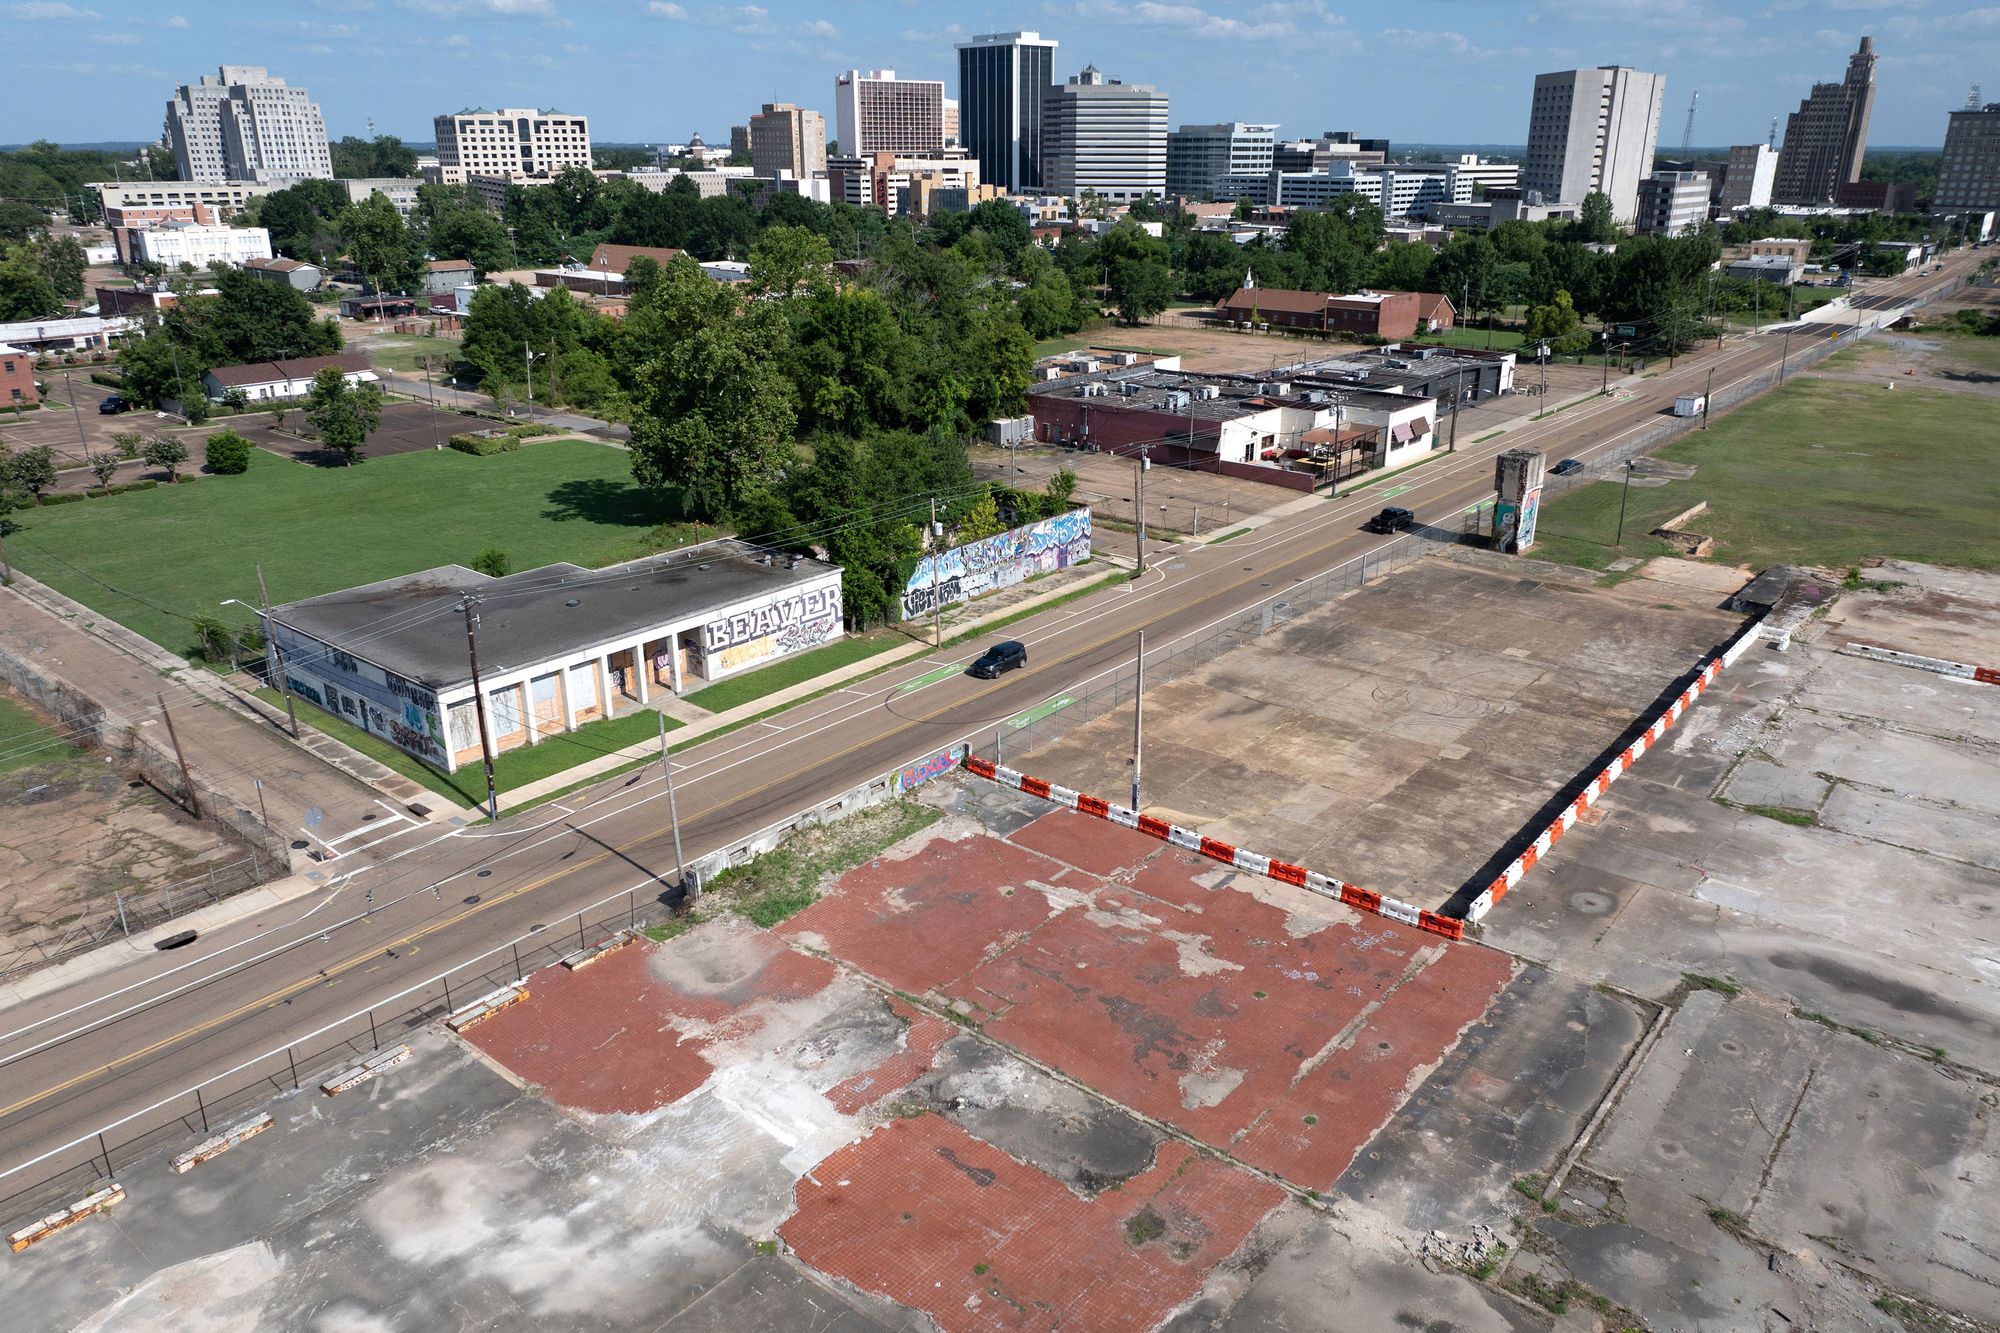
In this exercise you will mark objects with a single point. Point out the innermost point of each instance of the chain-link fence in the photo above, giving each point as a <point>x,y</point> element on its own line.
<point>129,913</point>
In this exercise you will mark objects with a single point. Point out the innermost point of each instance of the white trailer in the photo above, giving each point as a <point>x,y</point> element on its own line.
<point>1690,404</point>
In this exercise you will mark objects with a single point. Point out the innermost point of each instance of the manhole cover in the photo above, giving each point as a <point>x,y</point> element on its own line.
<point>485,874</point>
<point>471,899</point>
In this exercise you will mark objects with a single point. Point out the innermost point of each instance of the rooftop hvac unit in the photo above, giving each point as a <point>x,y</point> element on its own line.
<point>1316,395</point>
<point>1207,393</point>
<point>1091,390</point>
<point>1275,387</point>
<point>1125,358</point>
<point>1128,390</point>
<point>1177,401</point>
<point>1395,363</point>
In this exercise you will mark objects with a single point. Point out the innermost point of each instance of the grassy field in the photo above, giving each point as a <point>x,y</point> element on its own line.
<point>1502,340</point>
<point>151,560</point>
<point>25,742</point>
<point>753,685</point>
<point>516,768</point>
<point>1821,472</point>
<point>401,351</point>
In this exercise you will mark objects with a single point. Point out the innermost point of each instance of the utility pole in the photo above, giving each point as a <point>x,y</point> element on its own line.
<point>1785,354</point>
<point>528,358</point>
<point>76,412</point>
<point>673,811</point>
<point>1604,383</point>
<point>1138,716</point>
<point>187,778</point>
<point>1457,393</point>
<point>1708,392</point>
<point>1139,507</point>
<point>6,567</point>
<point>1621,503</point>
<point>937,577</point>
<point>1542,359</point>
<point>277,656</point>
<point>479,704</point>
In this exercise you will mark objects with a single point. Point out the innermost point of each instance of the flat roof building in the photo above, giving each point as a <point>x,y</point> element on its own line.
<point>1752,171</point>
<point>510,143</point>
<point>876,112</point>
<point>1199,157</point>
<point>558,646</point>
<point>1002,80</point>
<point>787,140</point>
<point>1672,203</point>
<point>1969,170</point>
<point>1103,137</point>
<point>1592,130</point>
<point>244,125</point>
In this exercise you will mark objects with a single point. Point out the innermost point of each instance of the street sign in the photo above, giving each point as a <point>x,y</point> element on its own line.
<point>1628,330</point>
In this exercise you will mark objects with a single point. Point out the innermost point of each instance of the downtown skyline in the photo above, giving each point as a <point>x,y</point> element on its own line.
<point>648,71</point>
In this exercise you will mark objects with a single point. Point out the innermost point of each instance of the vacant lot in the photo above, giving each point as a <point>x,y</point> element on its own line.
<point>1822,471</point>
<point>152,560</point>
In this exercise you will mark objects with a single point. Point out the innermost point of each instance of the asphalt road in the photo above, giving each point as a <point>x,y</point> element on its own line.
<point>425,901</point>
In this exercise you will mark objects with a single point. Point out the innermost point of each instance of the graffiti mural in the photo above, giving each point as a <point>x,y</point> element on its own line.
<point>965,572</point>
<point>936,766</point>
<point>804,619</point>
<point>401,711</point>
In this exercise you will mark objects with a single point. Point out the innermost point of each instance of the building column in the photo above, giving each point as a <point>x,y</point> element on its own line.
<point>604,704</point>
<point>568,704</point>
<point>674,658</point>
<point>526,691</point>
<point>485,700</point>
<point>641,668</point>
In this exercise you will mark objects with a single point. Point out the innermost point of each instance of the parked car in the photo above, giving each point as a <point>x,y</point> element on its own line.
<point>111,406</point>
<point>1000,657</point>
<point>1391,519</point>
<point>1567,466</point>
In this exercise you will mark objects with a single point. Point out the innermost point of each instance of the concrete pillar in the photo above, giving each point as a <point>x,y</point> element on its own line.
<point>568,704</point>
<point>486,716</point>
<point>641,668</point>
<point>674,658</point>
<point>525,690</point>
<point>604,685</point>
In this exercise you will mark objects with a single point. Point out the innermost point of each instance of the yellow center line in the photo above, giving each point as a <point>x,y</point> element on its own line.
<point>346,965</point>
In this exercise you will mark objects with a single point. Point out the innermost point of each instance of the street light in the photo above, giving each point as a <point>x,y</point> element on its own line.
<point>1630,463</point>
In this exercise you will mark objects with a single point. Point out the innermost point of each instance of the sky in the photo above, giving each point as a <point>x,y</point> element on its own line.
<point>1414,71</point>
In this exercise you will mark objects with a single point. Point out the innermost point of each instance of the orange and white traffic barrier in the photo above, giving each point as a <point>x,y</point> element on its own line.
<point>373,1067</point>
<point>1710,669</point>
<point>483,1008</point>
<point>88,1206</point>
<point>221,1143</point>
<point>1942,666</point>
<point>1215,849</point>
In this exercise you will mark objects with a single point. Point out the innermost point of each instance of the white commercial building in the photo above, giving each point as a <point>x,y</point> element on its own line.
<point>1672,203</point>
<point>876,112</point>
<point>1398,193</point>
<point>1103,137</point>
<point>247,126</point>
<point>224,198</point>
<point>1753,168</point>
<point>398,190</point>
<point>1002,78</point>
<point>510,143</point>
<point>201,244</point>
<point>1200,157</point>
<point>1469,170</point>
<point>558,646</point>
<point>1593,130</point>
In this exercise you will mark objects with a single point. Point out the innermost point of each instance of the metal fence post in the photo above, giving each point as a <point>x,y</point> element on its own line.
<point>516,947</point>
<point>374,1042</point>
<point>109,1174</point>
<point>631,909</point>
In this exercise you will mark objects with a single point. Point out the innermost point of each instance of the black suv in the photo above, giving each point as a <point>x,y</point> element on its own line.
<point>1000,657</point>
<point>111,406</point>
<point>1391,519</point>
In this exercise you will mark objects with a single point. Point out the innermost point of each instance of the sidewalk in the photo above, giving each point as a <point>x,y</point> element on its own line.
<point>710,723</point>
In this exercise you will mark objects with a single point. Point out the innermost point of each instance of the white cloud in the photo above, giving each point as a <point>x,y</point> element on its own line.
<point>51,9</point>
<point>484,8</point>
<point>663,9</point>
<point>117,38</point>
<point>177,21</point>
<point>1264,22</point>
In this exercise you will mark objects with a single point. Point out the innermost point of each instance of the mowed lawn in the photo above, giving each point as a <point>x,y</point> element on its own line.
<point>152,559</point>
<point>1820,472</point>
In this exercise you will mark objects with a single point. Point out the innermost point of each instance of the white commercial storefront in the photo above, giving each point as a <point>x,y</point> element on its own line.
<point>558,646</point>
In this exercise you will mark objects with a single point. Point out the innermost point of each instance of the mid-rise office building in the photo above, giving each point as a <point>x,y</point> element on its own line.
<point>1593,130</point>
<point>245,125</point>
<point>1103,137</point>
<point>1314,155</point>
<point>201,244</point>
<point>1826,138</point>
<point>1398,193</point>
<point>1672,203</point>
<point>1753,168</point>
<point>1003,78</point>
<point>899,184</point>
<point>509,144</point>
<point>1199,157</point>
<point>787,138</point>
<point>1969,171</point>
<point>1466,171</point>
<point>876,112</point>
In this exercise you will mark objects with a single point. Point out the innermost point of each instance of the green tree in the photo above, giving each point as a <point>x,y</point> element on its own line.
<point>104,467</point>
<point>33,469</point>
<point>384,156</point>
<point>168,453</point>
<point>226,453</point>
<point>1557,325</point>
<point>1139,281</point>
<point>344,414</point>
<point>471,234</point>
<point>979,522</point>
<point>129,443</point>
<point>25,289</point>
<point>1594,222</point>
<point>493,562</point>
<point>714,410</point>
<point>1336,245</point>
<point>789,260</point>
<point>1405,266</point>
<point>378,244</point>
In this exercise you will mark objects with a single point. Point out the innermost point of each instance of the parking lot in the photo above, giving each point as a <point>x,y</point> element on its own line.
<point>58,426</point>
<point>406,428</point>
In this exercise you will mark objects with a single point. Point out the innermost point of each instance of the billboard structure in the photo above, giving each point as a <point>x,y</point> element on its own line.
<point>1517,481</point>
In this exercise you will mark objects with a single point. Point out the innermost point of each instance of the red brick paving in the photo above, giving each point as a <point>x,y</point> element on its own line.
<point>925,1037</point>
<point>923,920</point>
<point>916,1210</point>
<point>605,1039</point>
<point>1086,843</point>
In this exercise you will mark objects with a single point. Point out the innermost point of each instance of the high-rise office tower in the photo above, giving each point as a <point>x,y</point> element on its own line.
<point>1827,136</point>
<point>1002,79</point>
<point>510,143</point>
<point>1593,130</point>
<point>1199,156</point>
<point>1969,171</point>
<point>1100,136</point>
<point>247,126</point>
<point>787,138</point>
<point>876,112</point>
<point>1753,167</point>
